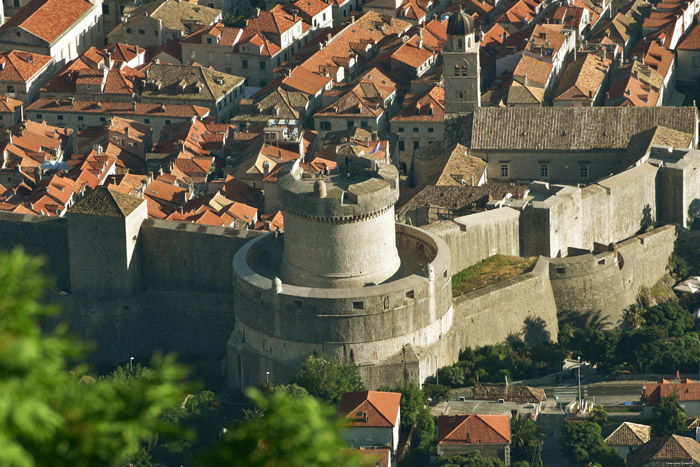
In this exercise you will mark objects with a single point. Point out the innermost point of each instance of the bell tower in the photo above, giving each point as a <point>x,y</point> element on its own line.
<point>461,73</point>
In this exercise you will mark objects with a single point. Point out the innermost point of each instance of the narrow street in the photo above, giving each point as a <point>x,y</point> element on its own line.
<point>552,423</point>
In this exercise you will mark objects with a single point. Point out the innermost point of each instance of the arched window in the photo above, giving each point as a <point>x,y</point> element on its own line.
<point>459,43</point>
<point>464,70</point>
<point>457,70</point>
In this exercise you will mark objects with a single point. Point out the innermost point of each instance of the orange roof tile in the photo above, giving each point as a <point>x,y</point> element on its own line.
<point>21,66</point>
<point>48,19</point>
<point>381,408</point>
<point>473,429</point>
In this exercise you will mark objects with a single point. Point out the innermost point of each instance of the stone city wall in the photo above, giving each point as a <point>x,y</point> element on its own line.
<point>478,236</point>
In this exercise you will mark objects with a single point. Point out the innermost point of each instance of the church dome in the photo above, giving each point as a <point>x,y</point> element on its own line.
<point>460,24</point>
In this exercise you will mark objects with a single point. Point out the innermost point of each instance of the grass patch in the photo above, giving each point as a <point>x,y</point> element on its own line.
<point>489,271</point>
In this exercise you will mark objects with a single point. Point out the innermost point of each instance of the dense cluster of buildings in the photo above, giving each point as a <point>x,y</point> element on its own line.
<point>190,98</point>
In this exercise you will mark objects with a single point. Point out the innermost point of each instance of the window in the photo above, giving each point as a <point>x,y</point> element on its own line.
<point>416,144</point>
<point>193,54</point>
<point>400,129</point>
<point>544,170</point>
<point>228,58</point>
<point>228,69</point>
<point>10,88</point>
<point>244,64</point>
<point>350,124</point>
<point>263,83</point>
<point>464,70</point>
<point>142,31</point>
<point>105,9</point>
<point>461,95</point>
<point>102,119</point>
<point>208,40</point>
<point>456,70</point>
<point>459,43</point>
<point>38,116</point>
<point>80,118</point>
<point>128,30</point>
<point>363,124</point>
<point>324,17</point>
<point>325,126</point>
<point>16,3</point>
<point>584,171</point>
<point>262,65</point>
<point>415,129</point>
<point>696,62</point>
<point>402,146</point>
<point>60,117</point>
<point>147,120</point>
<point>505,170</point>
<point>167,122</point>
<point>431,130</point>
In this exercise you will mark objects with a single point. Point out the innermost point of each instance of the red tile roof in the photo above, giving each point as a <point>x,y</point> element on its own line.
<point>118,108</point>
<point>692,40</point>
<point>371,408</point>
<point>21,66</point>
<point>48,19</point>
<point>474,429</point>
<point>687,391</point>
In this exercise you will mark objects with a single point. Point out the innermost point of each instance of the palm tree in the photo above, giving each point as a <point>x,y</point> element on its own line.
<point>525,434</point>
<point>633,317</point>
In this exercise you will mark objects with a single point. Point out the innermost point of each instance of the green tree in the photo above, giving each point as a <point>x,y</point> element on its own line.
<point>671,317</point>
<point>412,401</point>
<point>452,376</point>
<point>233,21</point>
<point>327,378</point>
<point>525,435</point>
<point>633,317</point>
<point>293,432</point>
<point>47,415</point>
<point>293,390</point>
<point>582,443</point>
<point>471,459</point>
<point>598,415</point>
<point>668,417</point>
<point>600,348</point>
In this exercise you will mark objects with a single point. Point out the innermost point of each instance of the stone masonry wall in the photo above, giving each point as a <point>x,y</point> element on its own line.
<point>478,236</point>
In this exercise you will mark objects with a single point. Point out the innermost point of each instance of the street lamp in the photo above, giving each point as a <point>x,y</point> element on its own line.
<point>579,377</point>
<point>437,377</point>
<point>267,377</point>
<point>131,364</point>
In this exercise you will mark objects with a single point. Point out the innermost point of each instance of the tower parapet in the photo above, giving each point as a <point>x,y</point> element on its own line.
<point>339,228</point>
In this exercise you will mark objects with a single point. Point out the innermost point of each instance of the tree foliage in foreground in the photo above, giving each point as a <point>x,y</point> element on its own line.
<point>470,459</point>
<point>293,432</point>
<point>412,401</point>
<point>525,436</point>
<point>582,443</point>
<point>47,415</point>
<point>326,378</point>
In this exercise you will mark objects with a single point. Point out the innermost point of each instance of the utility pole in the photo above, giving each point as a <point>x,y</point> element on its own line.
<point>579,378</point>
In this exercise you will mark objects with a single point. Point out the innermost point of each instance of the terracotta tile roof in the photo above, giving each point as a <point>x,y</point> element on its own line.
<point>8,104</point>
<point>21,66</point>
<point>366,98</point>
<point>538,71</point>
<point>429,107</point>
<point>177,16</point>
<point>583,77</point>
<point>123,52</point>
<point>188,82</point>
<point>687,391</point>
<point>118,108</point>
<point>371,408</point>
<point>161,191</point>
<point>638,84</point>
<point>310,7</point>
<point>380,456</point>
<point>236,190</point>
<point>171,48</point>
<point>228,36</point>
<point>473,429</point>
<point>303,80</point>
<point>48,19</point>
<point>692,40</point>
<point>105,202</point>
<point>455,168</point>
<point>591,127</point>
<point>357,37</point>
<point>665,448</point>
<point>413,53</point>
<point>655,56</point>
<point>629,434</point>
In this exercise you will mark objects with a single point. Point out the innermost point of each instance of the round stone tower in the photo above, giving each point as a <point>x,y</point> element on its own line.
<point>339,230</point>
<point>342,280</point>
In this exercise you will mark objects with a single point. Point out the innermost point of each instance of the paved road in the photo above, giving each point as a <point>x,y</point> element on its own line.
<point>552,425</point>
<point>605,393</point>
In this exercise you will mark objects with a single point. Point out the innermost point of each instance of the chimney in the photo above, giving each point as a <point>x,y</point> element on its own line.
<point>108,60</point>
<point>257,12</point>
<point>420,43</point>
<point>8,134</point>
<point>266,168</point>
<point>126,131</point>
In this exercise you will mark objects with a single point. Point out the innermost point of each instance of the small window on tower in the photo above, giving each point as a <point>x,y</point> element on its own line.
<point>459,43</point>
<point>456,70</point>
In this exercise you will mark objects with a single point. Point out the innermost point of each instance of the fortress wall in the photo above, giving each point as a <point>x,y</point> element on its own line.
<point>646,257</point>
<point>589,289</point>
<point>608,211</point>
<point>478,236</point>
<point>39,236</point>
<point>678,191</point>
<point>189,323</point>
<point>185,256</point>
<point>523,306</point>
